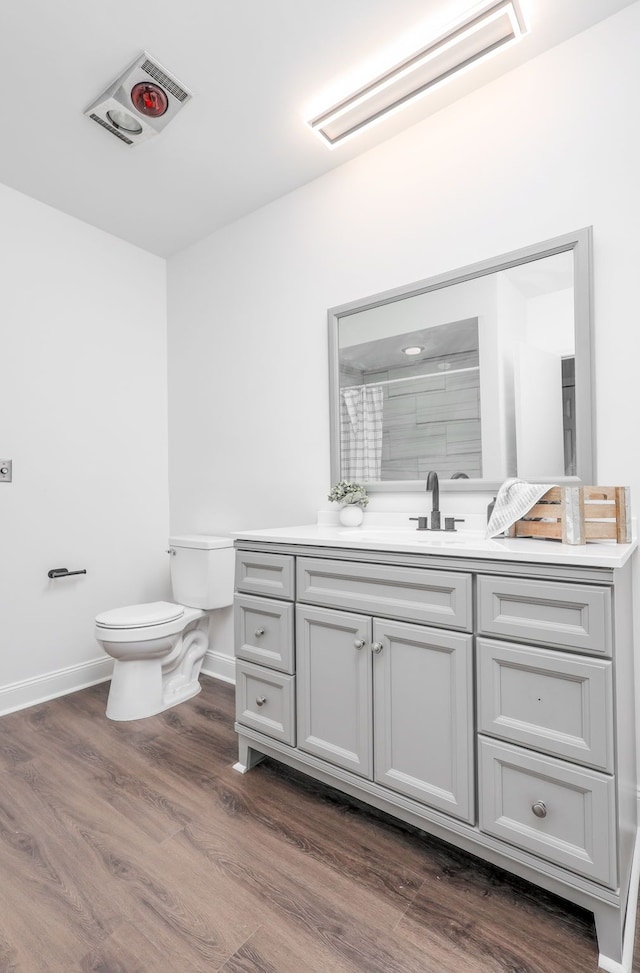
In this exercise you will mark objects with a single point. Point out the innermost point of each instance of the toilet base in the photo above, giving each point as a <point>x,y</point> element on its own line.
<point>145,687</point>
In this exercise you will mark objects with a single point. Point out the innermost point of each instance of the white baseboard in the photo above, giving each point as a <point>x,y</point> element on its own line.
<point>220,666</point>
<point>29,692</point>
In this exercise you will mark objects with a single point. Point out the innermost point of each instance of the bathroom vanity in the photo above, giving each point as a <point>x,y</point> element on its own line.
<point>480,690</point>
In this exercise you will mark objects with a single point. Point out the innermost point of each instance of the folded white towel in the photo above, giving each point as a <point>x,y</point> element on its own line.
<point>515,498</point>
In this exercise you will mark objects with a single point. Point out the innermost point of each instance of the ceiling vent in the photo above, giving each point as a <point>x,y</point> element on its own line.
<point>140,102</point>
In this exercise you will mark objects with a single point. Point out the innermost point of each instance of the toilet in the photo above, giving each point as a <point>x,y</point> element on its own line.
<point>158,647</point>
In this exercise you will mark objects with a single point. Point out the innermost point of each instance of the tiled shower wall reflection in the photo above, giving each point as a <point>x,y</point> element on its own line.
<point>432,422</point>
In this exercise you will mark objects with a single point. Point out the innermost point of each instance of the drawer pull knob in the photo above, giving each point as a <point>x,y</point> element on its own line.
<point>376,647</point>
<point>539,809</point>
<point>261,700</point>
<point>258,632</point>
<point>359,643</point>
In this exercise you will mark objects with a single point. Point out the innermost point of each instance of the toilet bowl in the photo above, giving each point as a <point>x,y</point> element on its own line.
<point>158,647</point>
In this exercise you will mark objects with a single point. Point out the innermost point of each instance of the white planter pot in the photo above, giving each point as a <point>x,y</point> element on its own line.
<point>351,515</point>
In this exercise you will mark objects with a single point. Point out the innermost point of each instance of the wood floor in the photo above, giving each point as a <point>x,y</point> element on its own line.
<point>135,848</point>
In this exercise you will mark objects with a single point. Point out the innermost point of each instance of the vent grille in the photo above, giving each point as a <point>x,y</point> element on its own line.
<point>164,79</point>
<point>110,128</point>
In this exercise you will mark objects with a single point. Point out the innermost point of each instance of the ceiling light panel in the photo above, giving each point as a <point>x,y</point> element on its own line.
<point>477,37</point>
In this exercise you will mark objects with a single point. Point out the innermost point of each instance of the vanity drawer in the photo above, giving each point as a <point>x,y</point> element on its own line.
<point>551,701</point>
<point>265,701</point>
<point>264,632</point>
<point>569,616</point>
<point>577,808</point>
<point>412,594</point>
<point>260,573</point>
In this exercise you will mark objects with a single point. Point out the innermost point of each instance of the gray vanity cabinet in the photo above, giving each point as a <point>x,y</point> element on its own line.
<point>390,701</point>
<point>415,682</point>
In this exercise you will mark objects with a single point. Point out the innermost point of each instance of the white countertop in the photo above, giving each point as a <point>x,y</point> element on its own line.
<point>458,544</point>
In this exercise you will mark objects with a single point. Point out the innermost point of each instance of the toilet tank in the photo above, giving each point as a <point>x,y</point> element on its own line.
<point>202,570</point>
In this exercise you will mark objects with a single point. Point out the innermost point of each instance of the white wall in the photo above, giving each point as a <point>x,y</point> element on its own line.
<point>541,152</point>
<point>431,310</point>
<point>83,415</point>
<point>550,323</point>
<point>547,335</point>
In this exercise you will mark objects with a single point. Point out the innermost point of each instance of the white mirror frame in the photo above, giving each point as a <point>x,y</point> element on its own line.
<point>580,242</point>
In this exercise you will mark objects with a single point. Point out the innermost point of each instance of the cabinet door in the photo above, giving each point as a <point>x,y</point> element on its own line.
<point>423,705</point>
<point>333,651</point>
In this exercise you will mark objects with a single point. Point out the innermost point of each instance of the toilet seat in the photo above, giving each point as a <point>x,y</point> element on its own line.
<point>140,616</point>
<point>137,632</point>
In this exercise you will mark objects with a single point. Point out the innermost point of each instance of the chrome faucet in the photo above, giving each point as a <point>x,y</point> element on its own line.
<point>434,486</point>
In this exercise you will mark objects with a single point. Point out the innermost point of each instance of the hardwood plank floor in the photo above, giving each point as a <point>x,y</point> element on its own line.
<point>135,848</point>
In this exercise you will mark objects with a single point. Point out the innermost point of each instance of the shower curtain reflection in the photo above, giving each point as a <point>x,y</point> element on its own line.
<point>361,433</point>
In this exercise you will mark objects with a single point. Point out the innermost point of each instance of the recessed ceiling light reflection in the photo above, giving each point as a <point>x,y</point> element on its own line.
<point>413,350</point>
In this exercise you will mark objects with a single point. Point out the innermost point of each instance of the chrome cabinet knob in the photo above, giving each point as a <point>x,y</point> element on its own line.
<point>258,632</point>
<point>539,809</point>
<point>359,643</point>
<point>261,700</point>
<point>376,647</point>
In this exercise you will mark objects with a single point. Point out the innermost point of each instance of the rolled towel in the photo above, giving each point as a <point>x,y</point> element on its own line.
<point>515,498</point>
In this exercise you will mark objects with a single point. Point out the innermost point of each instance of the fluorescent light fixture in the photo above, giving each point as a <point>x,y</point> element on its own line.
<point>479,35</point>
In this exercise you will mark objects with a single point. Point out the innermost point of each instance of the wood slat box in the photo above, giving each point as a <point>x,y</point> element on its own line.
<point>575,515</point>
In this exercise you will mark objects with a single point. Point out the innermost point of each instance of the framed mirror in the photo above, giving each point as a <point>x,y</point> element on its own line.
<point>480,374</point>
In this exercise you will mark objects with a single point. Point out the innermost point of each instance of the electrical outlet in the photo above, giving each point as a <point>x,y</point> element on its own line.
<point>6,470</point>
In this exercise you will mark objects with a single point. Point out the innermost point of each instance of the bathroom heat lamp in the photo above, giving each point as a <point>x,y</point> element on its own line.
<point>140,102</point>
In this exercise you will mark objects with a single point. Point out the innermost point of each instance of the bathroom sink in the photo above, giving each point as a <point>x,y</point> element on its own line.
<point>395,535</point>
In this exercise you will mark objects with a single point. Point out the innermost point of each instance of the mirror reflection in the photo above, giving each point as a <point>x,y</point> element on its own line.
<point>474,378</point>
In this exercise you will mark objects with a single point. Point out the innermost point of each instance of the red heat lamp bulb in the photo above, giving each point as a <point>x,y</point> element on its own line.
<point>149,99</point>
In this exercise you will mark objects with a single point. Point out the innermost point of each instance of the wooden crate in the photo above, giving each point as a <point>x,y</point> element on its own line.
<point>576,515</point>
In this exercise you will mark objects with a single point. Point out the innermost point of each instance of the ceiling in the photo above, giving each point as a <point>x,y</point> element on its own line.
<point>254,67</point>
<point>441,341</point>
